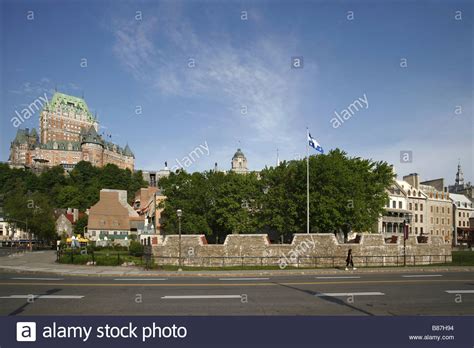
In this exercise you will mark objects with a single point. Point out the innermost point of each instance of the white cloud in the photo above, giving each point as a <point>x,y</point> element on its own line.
<point>257,76</point>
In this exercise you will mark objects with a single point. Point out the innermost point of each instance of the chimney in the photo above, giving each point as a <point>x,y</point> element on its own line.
<point>413,179</point>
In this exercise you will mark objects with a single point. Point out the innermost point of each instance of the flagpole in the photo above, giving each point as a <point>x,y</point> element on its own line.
<point>307,180</point>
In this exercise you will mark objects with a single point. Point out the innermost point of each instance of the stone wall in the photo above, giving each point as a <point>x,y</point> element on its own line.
<point>306,250</point>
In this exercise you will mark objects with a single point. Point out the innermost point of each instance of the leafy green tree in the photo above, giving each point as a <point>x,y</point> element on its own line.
<point>81,223</point>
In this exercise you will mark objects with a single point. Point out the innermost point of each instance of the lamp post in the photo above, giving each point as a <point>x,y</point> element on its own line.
<point>179,212</point>
<point>406,222</point>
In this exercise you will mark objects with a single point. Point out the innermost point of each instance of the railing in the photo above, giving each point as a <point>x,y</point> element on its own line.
<point>302,261</point>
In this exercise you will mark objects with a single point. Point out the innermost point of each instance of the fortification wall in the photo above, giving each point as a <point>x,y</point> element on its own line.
<point>306,250</point>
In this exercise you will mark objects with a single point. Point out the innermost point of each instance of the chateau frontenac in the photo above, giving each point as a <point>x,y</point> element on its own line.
<point>67,135</point>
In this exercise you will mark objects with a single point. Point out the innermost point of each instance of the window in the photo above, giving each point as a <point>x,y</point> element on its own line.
<point>394,204</point>
<point>449,210</point>
<point>421,217</point>
<point>421,206</point>
<point>448,220</point>
<point>437,209</point>
<point>416,230</point>
<point>442,221</point>
<point>416,217</point>
<point>442,210</point>
<point>416,206</point>
<point>437,221</point>
<point>431,208</point>
<point>410,206</point>
<point>399,205</point>
<point>431,220</point>
<point>459,214</point>
<point>421,230</point>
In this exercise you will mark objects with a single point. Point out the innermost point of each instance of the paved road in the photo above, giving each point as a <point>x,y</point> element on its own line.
<point>350,293</point>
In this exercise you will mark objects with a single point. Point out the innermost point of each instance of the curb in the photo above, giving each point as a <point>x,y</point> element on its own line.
<point>212,274</point>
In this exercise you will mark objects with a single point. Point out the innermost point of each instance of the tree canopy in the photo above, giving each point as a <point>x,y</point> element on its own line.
<point>345,194</point>
<point>34,197</point>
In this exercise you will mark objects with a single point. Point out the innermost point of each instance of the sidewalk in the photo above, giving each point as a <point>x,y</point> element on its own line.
<point>45,262</point>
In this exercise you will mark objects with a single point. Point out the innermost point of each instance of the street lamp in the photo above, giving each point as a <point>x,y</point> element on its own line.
<point>406,222</point>
<point>179,212</point>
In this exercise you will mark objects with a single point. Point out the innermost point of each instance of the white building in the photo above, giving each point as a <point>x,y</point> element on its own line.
<point>463,208</point>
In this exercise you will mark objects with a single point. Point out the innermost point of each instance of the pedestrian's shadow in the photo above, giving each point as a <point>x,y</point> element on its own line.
<point>328,299</point>
<point>22,308</point>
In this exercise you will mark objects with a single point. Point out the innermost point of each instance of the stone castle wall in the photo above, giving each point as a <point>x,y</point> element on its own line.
<point>306,250</point>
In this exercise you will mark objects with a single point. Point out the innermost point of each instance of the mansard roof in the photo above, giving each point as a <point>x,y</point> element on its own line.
<point>61,145</point>
<point>69,102</point>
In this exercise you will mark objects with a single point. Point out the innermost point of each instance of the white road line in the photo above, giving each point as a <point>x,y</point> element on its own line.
<point>62,297</point>
<point>337,294</point>
<point>343,277</point>
<point>29,278</point>
<point>140,279</point>
<point>244,278</point>
<point>200,297</point>
<point>460,291</point>
<point>421,275</point>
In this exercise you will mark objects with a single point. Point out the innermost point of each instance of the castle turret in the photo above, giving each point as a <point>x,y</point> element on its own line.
<point>92,146</point>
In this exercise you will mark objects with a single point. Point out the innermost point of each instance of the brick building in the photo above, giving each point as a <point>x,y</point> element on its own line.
<point>67,135</point>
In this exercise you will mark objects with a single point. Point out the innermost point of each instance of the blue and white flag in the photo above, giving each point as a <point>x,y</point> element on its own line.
<point>314,144</point>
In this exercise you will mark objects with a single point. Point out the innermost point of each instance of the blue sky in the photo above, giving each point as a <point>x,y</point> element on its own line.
<point>246,64</point>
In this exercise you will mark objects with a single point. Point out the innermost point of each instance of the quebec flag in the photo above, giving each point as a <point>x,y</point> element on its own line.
<point>314,144</point>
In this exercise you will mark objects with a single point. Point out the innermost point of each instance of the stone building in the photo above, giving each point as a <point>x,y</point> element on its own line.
<point>64,226</point>
<point>153,176</point>
<point>239,163</point>
<point>440,209</point>
<point>67,135</point>
<point>396,210</point>
<point>463,209</point>
<point>417,203</point>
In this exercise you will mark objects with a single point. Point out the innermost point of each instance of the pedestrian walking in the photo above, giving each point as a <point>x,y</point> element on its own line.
<point>349,261</point>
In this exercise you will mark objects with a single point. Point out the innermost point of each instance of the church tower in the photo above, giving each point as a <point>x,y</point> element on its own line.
<point>459,177</point>
<point>239,163</point>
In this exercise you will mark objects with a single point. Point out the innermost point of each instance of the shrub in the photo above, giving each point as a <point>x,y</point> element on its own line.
<point>135,249</point>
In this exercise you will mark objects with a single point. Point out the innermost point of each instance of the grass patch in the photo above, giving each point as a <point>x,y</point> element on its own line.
<point>462,258</point>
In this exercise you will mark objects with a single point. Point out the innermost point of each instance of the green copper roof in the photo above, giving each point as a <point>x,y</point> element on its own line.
<point>128,152</point>
<point>64,101</point>
<point>24,136</point>
<point>62,145</point>
<point>91,136</point>
<point>21,136</point>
